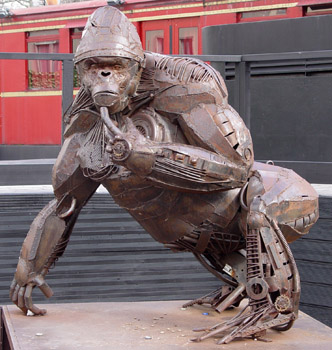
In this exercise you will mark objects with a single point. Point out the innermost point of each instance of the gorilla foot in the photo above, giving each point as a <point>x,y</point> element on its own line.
<point>250,322</point>
<point>221,298</point>
<point>213,298</point>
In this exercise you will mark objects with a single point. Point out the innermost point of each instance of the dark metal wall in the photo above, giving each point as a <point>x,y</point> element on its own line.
<point>284,35</point>
<point>290,105</point>
<point>313,255</point>
<point>111,258</point>
<point>13,152</point>
<point>290,123</point>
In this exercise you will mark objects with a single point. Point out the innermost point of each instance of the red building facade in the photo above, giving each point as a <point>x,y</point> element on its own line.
<point>30,91</point>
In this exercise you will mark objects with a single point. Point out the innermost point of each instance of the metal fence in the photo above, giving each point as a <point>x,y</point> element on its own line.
<point>238,67</point>
<point>242,68</point>
<point>241,74</point>
<point>67,70</point>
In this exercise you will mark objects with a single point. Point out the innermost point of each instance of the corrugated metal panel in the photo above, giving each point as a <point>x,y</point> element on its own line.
<point>111,258</point>
<point>313,254</point>
<point>300,67</point>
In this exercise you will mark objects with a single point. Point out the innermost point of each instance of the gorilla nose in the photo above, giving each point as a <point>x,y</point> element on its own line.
<point>105,73</point>
<point>105,98</point>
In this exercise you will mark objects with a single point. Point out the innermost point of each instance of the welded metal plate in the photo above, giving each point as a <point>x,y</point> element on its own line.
<point>144,325</point>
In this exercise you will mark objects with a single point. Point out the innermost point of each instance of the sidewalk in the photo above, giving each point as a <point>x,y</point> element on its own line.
<point>324,190</point>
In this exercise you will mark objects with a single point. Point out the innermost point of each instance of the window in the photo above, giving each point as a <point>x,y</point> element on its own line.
<point>154,41</point>
<point>188,41</point>
<point>264,13</point>
<point>43,73</point>
<point>76,35</point>
<point>320,9</point>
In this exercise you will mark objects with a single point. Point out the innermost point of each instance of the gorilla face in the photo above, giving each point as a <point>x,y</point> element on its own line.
<point>110,80</point>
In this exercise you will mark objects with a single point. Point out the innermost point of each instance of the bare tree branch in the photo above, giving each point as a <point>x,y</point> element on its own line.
<point>11,4</point>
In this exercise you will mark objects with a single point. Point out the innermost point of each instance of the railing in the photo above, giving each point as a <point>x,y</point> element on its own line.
<point>242,68</point>
<point>239,68</point>
<point>67,71</point>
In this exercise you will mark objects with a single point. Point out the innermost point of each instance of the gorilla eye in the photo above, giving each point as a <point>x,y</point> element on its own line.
<point>87,64</point>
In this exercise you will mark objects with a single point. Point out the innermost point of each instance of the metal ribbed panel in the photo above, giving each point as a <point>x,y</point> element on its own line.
<point>313,254</point>
<point>111,258</point>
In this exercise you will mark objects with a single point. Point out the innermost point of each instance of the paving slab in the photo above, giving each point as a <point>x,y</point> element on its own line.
<point>158,325</point>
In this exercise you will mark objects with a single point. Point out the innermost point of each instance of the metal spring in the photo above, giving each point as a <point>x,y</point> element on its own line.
<point>254,267</point>
<point>54,257</point>
<point>253,260</point>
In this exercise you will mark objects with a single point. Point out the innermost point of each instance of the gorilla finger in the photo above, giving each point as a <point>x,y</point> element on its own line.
<point>20,297</point>
<point>15,293</point>
<point>29,304</point>
<point>12,288</point>
<point>20,301</point>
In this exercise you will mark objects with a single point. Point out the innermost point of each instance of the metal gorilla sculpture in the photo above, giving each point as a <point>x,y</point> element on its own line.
<point>159,134</point>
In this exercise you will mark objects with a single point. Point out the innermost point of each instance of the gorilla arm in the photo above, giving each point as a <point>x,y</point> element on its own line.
<point>50,231</point>
<point>201,167</point>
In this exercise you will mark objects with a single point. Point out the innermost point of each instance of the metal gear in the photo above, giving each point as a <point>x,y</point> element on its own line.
<point>282,303</point>
<point>120,150</point>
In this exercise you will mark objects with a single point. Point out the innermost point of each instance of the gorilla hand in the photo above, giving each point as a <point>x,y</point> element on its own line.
<point>129,149</point>
<point>21,291</point>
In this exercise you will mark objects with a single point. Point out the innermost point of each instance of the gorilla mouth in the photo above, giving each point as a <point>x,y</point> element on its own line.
<point>106,98</point>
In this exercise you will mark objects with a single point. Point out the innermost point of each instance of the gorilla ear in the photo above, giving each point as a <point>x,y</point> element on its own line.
<point>134,82</point>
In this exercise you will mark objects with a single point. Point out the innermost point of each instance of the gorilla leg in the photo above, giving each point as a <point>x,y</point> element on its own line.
<point>281,207</point>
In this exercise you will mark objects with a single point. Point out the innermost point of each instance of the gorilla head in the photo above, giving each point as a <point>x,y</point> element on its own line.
<point>110,59</point>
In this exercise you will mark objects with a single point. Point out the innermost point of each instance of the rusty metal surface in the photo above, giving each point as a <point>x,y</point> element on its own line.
<point>131,325</point>
<point>159,134</point>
